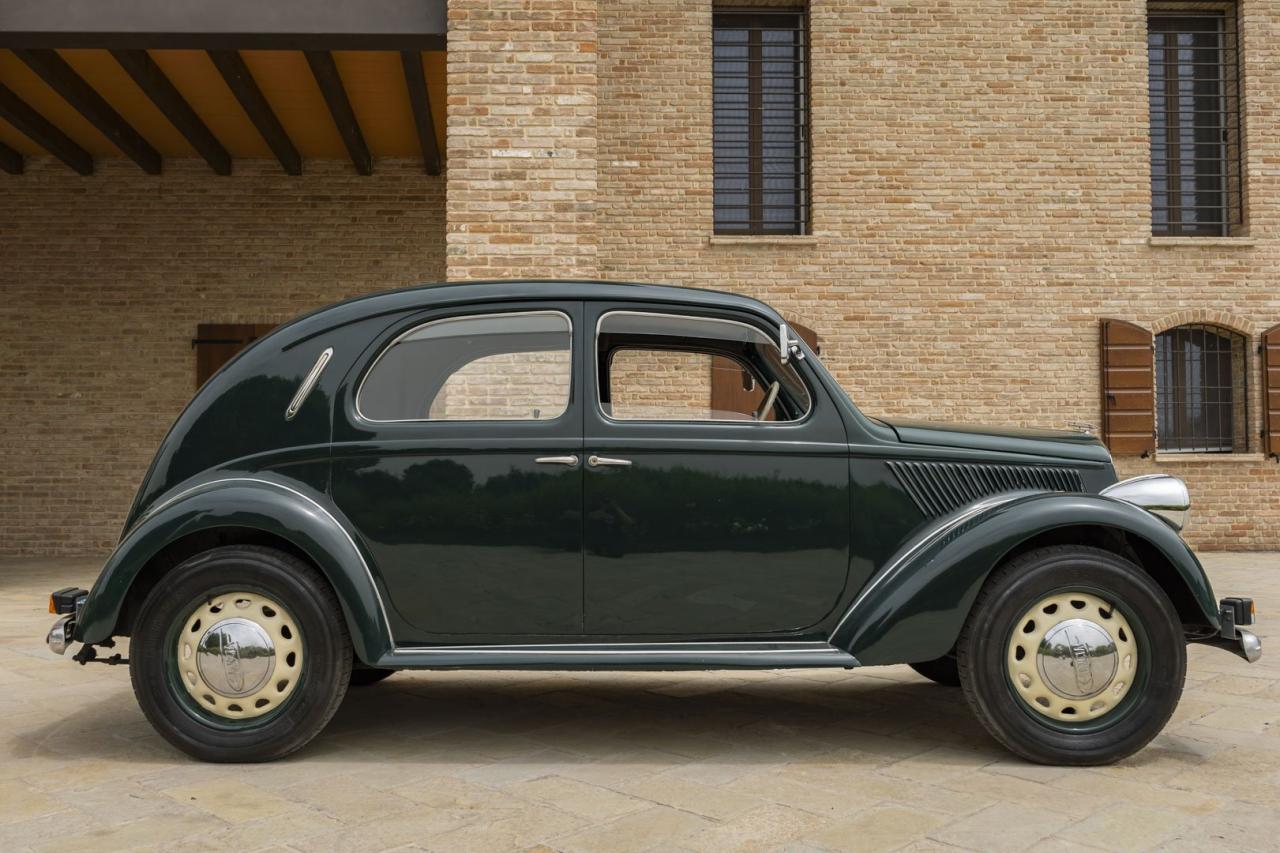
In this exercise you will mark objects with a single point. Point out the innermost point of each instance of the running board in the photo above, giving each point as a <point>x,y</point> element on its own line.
<point>753,655</point>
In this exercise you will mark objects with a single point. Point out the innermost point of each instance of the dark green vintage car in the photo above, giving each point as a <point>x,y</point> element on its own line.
<point>575,475</point>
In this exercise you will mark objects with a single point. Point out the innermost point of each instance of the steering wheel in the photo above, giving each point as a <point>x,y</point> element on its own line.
<point>767,403</point>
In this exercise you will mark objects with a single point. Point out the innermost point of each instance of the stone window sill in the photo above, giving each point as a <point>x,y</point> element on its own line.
<point>762,240</point>
<point>1207,242</point>
<point>1237,458</point>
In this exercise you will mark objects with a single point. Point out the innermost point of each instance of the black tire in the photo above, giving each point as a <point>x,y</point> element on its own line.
<point>365,675</point>
<point>988,637</point>
<point>943,670</point>
<point>325,667</point>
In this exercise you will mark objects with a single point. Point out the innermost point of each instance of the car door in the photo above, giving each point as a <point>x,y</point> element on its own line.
<point>458,464</point>
<point>700,521</point>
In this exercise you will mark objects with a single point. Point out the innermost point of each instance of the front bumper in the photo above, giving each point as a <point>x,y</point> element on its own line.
<point>1232,613</point>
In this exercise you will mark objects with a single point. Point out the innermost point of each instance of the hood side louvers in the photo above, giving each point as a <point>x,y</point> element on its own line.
<point>941,487</point>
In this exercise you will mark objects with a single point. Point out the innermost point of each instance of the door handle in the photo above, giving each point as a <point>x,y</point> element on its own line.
<point>599,461</point>
<point>557,460</point>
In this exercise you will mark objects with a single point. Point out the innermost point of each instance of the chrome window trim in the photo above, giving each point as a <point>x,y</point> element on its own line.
<point>374,365</point>
<point>751,424</point>
<point>304,390</point>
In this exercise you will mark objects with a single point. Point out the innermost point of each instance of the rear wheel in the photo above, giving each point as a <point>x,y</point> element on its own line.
<point>240,654</point>
<point>1072,655</point>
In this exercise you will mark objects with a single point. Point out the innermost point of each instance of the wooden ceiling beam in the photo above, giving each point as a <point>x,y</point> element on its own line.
<point>62,78</point>
<point>139,65</point>
<point>42,132</point>
<point>325,71</point>
<point>236,74</point>
<point>420,102</point>
<point>10,160</point>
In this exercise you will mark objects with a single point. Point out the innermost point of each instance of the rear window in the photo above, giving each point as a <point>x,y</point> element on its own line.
<point>495,367</point>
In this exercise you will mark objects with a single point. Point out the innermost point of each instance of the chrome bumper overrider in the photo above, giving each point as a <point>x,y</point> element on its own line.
<point>1250,645</point>
<point>60,634</point>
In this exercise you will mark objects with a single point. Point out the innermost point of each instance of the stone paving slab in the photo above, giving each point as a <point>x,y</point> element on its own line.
<point>807,760</point>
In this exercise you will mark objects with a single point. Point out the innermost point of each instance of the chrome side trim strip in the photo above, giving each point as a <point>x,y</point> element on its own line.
<point>307,384</point>
<point>627,655</point>
<point>921,544</point>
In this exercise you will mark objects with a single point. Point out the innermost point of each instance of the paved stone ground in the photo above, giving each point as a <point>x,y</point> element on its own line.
<point>797,760</point>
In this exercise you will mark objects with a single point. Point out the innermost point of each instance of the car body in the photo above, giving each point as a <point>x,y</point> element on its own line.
<point>523,475</point>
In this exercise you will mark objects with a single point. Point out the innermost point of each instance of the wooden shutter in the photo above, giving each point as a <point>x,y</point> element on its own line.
<point>1271,391</point>
<point>1128,389</point>
<point>217,343</point>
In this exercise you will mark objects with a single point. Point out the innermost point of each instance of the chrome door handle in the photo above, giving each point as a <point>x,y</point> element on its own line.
<point>598,461</point>
<point>557,460</point>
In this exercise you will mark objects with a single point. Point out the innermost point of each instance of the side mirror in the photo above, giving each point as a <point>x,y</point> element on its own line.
<point>787,345</point>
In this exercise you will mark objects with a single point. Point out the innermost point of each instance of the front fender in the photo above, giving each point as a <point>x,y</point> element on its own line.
<point>288,510</point>
<point>913,608</point>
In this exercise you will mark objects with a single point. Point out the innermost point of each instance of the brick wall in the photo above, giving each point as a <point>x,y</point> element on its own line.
<point>105,278</point>
<point>521,138</point>
<point>981,199</point>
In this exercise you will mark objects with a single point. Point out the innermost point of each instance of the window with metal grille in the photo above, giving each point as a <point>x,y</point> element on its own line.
<point>1194,89</point>
<point>761,122</point>
<point>1201,390</point>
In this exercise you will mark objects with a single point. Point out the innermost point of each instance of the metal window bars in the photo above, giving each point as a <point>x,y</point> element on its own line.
<point>1194,89</point>
<point>1201,390</point>
<point>760,120</point>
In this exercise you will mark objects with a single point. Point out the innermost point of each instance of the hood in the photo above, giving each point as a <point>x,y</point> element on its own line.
<point>1061,444</point>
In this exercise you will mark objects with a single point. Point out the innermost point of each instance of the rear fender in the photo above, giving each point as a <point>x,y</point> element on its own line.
<point>288,510</point>
<point>914,607</point>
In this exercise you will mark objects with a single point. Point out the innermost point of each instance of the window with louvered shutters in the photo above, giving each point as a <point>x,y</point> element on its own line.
<point>217,343</point>
<point>1202,390</point>
<point>1271,391</point>
<point>760,121</point>
<point>1128,389</point>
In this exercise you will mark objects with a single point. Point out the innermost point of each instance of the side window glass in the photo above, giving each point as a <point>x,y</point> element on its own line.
<point>498,367</point>
<point>659,367</point>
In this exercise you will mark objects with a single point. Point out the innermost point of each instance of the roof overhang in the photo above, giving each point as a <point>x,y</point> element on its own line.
<point>149,79</point>
<point>227,24</point>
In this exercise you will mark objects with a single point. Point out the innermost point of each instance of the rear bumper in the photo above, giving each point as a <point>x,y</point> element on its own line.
<point>67,603</point>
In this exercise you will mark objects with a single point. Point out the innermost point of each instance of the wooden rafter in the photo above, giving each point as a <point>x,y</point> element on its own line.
<point>152,81</point>
<point>42,132</point>
<point>63,79</point>
<point>420,101</point>
<point>236,74</point>
<point>325,71</point>
<point>10,160</point>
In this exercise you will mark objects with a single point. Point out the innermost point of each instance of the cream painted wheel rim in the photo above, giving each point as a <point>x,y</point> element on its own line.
<point>239,655</point>
<point>1072,657</point>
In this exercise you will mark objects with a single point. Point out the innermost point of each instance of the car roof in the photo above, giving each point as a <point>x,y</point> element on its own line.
<point>514,290</point>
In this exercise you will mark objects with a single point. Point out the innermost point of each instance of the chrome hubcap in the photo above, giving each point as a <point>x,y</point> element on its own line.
<point>1072,657</point>
<point>239,655</point>
<point>235,657</point>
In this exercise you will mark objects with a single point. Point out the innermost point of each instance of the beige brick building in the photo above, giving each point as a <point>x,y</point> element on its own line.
<point>977,197</point>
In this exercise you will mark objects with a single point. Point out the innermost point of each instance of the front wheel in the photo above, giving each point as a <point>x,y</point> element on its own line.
<point>240,653</point>
<point>1072,655</point>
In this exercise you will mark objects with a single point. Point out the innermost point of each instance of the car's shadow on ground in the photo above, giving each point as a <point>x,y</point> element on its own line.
<point>471,718</point>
